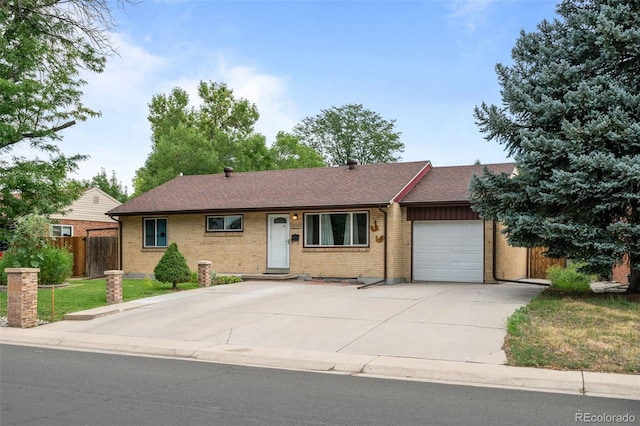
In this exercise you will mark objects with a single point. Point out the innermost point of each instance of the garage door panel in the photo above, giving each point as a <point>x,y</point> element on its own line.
<point>448,251</point>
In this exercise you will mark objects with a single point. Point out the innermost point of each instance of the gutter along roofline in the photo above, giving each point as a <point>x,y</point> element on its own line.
<point>250,210</point>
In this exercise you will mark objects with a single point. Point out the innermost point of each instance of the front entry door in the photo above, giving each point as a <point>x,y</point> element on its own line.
<point>278,250</point>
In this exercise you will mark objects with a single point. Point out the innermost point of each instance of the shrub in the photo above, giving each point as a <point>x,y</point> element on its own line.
<point>30,239</point>
<point>8,260</point>
<point>172,267</point>
<point>569,278</point>
<point>56,266</point>
<point>227,279</point>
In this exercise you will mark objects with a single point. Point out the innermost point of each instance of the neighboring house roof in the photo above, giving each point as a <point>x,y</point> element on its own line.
<point>91,206</point>
<point>450,184</point>
<point>336,187</point>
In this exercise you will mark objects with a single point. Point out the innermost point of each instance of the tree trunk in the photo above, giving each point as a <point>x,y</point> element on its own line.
<point>175,286</point>
<point>634,276</point>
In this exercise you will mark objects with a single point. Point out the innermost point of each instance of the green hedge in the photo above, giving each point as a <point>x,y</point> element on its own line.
<point>56,265</point>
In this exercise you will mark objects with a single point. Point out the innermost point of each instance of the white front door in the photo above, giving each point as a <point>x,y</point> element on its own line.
<point>278,250</point>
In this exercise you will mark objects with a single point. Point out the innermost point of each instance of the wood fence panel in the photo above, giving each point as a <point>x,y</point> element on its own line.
<point>77,247</point>
<point>539,263</point>
<point>102,255</point>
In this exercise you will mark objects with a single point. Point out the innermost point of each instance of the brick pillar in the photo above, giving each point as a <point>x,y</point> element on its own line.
<point>204,273</point>
<point>114,286</point>
<point>22,297</point>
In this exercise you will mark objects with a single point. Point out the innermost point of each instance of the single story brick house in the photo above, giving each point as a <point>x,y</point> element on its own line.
<point>393,222</point>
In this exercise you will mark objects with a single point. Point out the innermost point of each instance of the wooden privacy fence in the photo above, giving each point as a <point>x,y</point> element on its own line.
<point>91,255</point>
<point>539,263</point>
<point>75,246</point>
<point>102,255</point>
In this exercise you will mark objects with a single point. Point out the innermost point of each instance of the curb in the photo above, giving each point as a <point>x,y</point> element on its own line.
<point>448,372</point>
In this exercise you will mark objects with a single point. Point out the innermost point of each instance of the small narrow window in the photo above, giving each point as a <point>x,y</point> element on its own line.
<point>224,223</point>
<point>155,232</point>
<point>61,231</point>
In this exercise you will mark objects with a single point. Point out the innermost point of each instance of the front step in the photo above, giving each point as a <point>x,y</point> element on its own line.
<point>277,271</point>
<point>268,276</point>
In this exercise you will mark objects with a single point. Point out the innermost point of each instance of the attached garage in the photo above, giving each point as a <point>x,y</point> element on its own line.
<point>448,250</point>
<point>449,241</point>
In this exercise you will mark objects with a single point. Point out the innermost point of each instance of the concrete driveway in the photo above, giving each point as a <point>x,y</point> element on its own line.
<point>450,333</point>
<point>436,321</point>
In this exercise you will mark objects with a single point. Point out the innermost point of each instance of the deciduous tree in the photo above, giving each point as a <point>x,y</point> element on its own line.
<point>351,132</point>
<point>217,134</point>
<point>110,185</point>
<point>289,153</point>
<point>44,45</point>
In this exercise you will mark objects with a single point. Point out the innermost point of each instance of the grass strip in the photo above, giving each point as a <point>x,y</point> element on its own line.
<point>576,330</point>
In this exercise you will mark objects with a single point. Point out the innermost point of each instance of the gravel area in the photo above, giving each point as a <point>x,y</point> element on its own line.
<point>4,322</point>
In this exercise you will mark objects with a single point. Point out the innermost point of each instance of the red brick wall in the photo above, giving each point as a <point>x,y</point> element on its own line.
<point>80,228</point>
<point>621,273</point>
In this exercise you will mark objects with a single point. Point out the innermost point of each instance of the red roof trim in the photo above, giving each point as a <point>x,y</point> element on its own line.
<point>413,182</point>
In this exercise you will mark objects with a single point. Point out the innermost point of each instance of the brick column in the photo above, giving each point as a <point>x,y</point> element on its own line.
<point>204,273</point>
<point>114,286</point>
<point>22,297</point>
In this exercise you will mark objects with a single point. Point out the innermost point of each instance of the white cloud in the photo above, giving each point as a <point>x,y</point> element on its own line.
<point>268,92</point>
<point>120,139</point>
<point>470,13</point>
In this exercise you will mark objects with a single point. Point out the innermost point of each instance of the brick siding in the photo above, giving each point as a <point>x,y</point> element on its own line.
<point>80,227</point>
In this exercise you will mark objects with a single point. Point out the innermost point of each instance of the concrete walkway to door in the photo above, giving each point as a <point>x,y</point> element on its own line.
<point>435,331</point>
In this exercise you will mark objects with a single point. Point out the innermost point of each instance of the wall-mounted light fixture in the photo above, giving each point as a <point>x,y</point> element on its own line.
<point>295,216</point>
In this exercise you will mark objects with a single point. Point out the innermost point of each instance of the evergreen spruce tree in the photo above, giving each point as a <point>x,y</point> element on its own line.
<point>172,267</point>
<point>570,117</point>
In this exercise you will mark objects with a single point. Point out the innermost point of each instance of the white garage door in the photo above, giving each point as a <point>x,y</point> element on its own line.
<point>448,251</point>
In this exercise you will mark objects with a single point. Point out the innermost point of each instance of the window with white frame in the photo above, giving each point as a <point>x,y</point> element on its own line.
<point>155,232</point>
<point>224,223</point>
<point>61,230</point>
<point>336,229</point>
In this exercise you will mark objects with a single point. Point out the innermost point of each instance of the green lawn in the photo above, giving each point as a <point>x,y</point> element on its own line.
<point>576,330</point>
<point>80,295</point>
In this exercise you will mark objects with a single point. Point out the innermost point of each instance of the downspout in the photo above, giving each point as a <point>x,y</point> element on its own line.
<point>493,267</point>
<point>119,242</point>
<point>384,212</point>
<point>384,280</point>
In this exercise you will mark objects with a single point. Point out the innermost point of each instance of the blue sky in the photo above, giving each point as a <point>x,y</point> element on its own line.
<point>425,64</point>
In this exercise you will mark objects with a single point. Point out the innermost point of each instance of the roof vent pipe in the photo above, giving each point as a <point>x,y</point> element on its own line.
<point>227,172</point>
<point>352,164</point>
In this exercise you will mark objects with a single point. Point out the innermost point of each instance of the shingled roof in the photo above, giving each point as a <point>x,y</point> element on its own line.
<point>364,185</point>
<point>449,184</point>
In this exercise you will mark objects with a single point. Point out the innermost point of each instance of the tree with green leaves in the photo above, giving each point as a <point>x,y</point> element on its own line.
<point>172,267</point>
<point>188,140</point>
<point>218,134</point>
<point>570,117</point>
<point>289,153</point>
<point>351,132</point>
<point>110,185</point>
<point>44,44</point>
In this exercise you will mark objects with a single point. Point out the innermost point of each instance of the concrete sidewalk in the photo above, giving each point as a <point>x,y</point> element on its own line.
<point>449,333</point>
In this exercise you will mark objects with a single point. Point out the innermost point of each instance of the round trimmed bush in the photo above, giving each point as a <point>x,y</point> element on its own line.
<point>172,267</point>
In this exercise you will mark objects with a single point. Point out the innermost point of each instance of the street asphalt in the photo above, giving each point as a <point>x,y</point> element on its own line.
<point>439,332</point>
